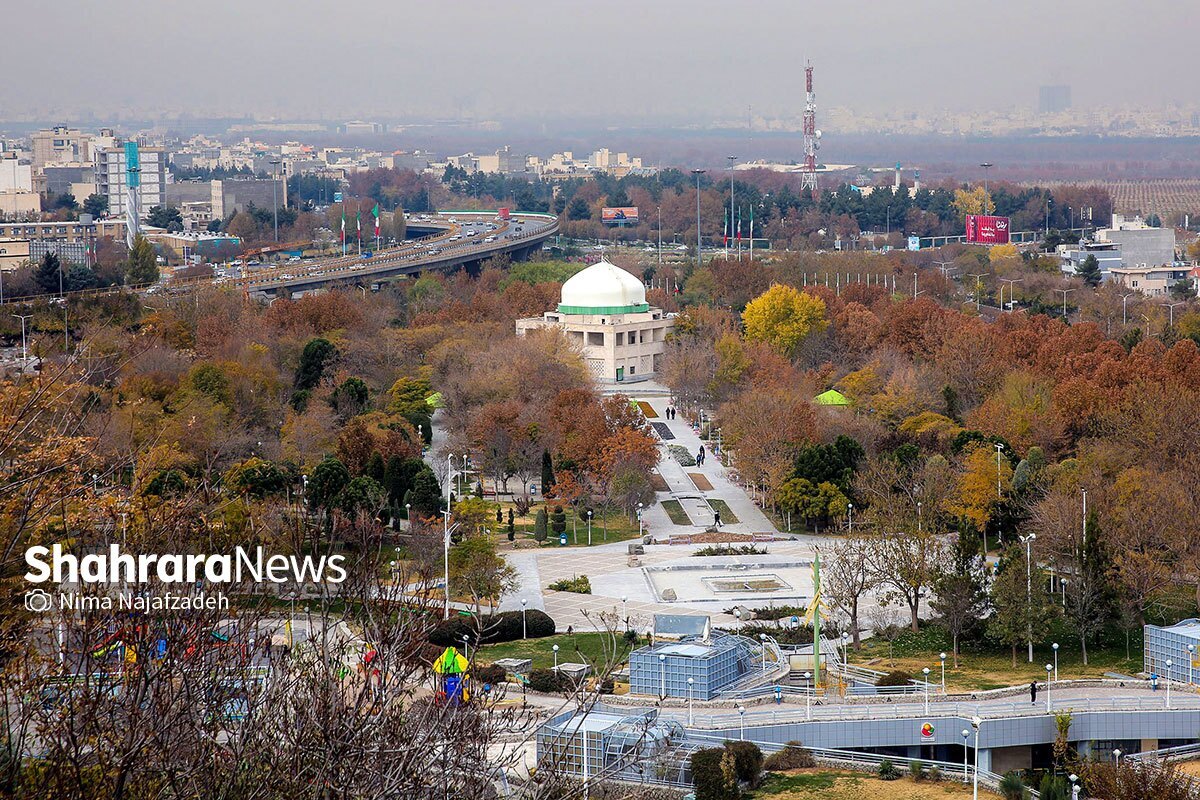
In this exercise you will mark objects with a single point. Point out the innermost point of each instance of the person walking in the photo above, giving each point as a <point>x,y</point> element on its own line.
<point>701,459</point>
<point>716,518</point>
<point>1032,692</point>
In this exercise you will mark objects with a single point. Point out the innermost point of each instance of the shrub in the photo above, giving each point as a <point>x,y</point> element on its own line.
<point>747,761</point>
<point>934,774</point>
<point>709,778</point>
<point>792,756</point>
<point>504,627</point>
<point>1054,787</point>
<point>539,525</point>
<point>579,585</point>
<point>888,771</point>
<point>916,770</point>
<point>550,681</point>
<point>558,521</point>
<point>896,677</point>
<point>733,550</point>
<point>1012,787</point>
<point>488,673</point>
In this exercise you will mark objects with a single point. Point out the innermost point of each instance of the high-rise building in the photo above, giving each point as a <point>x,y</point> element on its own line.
<point>60,145</point>
<point>1054,99</point>
<point>111,177</point>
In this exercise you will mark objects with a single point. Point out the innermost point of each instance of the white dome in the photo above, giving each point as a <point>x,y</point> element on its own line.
<point>603,288</point>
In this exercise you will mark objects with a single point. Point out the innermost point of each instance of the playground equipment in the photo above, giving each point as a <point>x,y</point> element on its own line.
<point>451,668</point>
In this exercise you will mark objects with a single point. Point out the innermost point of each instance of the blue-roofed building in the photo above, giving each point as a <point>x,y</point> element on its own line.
<point>663,669</point>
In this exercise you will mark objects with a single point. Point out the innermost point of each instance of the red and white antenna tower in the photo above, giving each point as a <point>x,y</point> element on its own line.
<point>812,136</point>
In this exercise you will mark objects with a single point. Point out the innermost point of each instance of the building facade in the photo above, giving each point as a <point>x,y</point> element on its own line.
<point>605,313</point>
<point>111,176</point>
<point>1140,244</point>
<point>60,145</point>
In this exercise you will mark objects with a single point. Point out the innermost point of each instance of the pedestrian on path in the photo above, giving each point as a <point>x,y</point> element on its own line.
<point>1032,692</point>
<point>700,455</point>
<point>716,518</point>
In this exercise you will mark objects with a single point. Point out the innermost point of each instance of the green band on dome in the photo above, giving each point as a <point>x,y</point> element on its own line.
<point>635,308</point>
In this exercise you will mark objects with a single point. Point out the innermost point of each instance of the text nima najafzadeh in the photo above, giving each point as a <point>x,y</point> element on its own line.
<point>51,563</point>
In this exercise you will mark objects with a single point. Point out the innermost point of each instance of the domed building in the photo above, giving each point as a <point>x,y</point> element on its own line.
<point>604,311</point>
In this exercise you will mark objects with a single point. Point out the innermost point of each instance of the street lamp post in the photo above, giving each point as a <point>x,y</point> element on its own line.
<point>730,228</point>
<point>1028,540</point>
<point>1168,683</point>
<point>1054,647</point>
<point>1191,648</point>
<point>978,276</point>
<point>742,723</point>
<point>966,749</point>
<point>942,656</point>
<point>1064,293</point>
<point>24,347</point>
<point>691,682</point>
<point>640,534</point>
<point>762,637</point>
<point>699,257</point>
<point>808,690</point>
<point>1074,779</point>
<point>976,723</point>
<point>589,516</point>
<point>999,448</point>
<point>1049,669</point>
<point>1124,308</point>
<point>1117,756</point>
<point>524,630</point>
<point>925,672</point>
<point>555,649</point>
<point>625,610</point>
<point>1011,290</point>
<point>662,676</point>
<point>737,625</point>
<point>850,516</point>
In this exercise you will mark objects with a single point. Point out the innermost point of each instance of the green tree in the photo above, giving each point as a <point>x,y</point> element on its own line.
<point>578,209</point>
<point>96,205</point>
<point>479,572</point>
<point>255,477</point>
<point>1021,608</point>
<point>558,521</point>
<point>327,482</point>
<point>142,267</point>
<point>1090,593</point>
<point>165,217</point>
<point>49,273</point>
<point>426,495</point>
<point>539,525</point>
<point>959,596</point>
<point>350,397</point>
<point>1089,271</point>
<point>317,354</point>
<point>362,495</point>
<point>547,472</point>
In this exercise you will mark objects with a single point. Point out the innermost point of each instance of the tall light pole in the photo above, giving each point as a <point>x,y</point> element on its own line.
<point>1171,309</point>
<point>762,637</point>
<point>24,347</point>
<point>1028,540</point>
<point>987,197</point>
<point>976,723</point>
<point>966,749</point>
<point>662,676</point>
<point>942,656</point>
<point>978,276</point>
<point>1064,293</point>
<point>274,162</point>
<point>999,447</point>
<point>742,723</point>
<point>727,238</point>
<point>640,528</point>
<point>1011,290</point>
<point>699,257</point>
<point>691,681</point>
<point>850,516</point>
<point>808,695</point>
<point>1049,669</point>
<point>925,672</point>
<point>1191,648</point>
<point>524,629</point>
<point>589,516</point>
<point>1055,648</point>
<point>1124,308</point>
<point>1168,683</point>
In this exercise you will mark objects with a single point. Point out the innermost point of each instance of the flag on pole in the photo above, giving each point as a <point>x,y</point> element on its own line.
<point>375,213</point>
<point>725,231</point>
<point>739,225</point>
<point>343,224</point>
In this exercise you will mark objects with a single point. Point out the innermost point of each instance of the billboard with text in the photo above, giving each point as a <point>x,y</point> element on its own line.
<point>986,229</point>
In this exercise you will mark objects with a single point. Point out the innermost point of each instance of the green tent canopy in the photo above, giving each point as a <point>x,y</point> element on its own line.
<point>832,398</point>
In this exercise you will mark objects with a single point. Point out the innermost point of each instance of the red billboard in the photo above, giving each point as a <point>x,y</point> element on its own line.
<point>987,229</point>
<point>625,215</point>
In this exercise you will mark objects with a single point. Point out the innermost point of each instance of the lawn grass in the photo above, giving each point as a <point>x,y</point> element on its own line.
<point>598,649</point>
<point>844,785</point>
<point>618,526</point>
<point>727,515</point>
<point>984,665</point>
<point>675,511</point>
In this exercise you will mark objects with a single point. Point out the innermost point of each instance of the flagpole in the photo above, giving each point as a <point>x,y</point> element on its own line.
<point>752,233</point>
<point>817,620</point>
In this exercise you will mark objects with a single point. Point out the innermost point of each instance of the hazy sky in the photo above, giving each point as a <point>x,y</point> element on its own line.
<point>648,59</point>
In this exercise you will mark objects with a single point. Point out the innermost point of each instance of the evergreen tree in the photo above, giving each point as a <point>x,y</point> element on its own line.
<point>327,482</point>
<point>426,495</point>
<point>1021,608</point>
<point>558,521</point>
<point>143,264</point>
<point>317,354</point>
<point>49,274</point>
<point>1089,271</point>
<point>539,526</point>
<point>547,472</point>
<point>1090,593</point>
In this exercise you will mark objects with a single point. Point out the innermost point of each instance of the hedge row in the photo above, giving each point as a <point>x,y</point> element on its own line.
<point>503,627</point>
